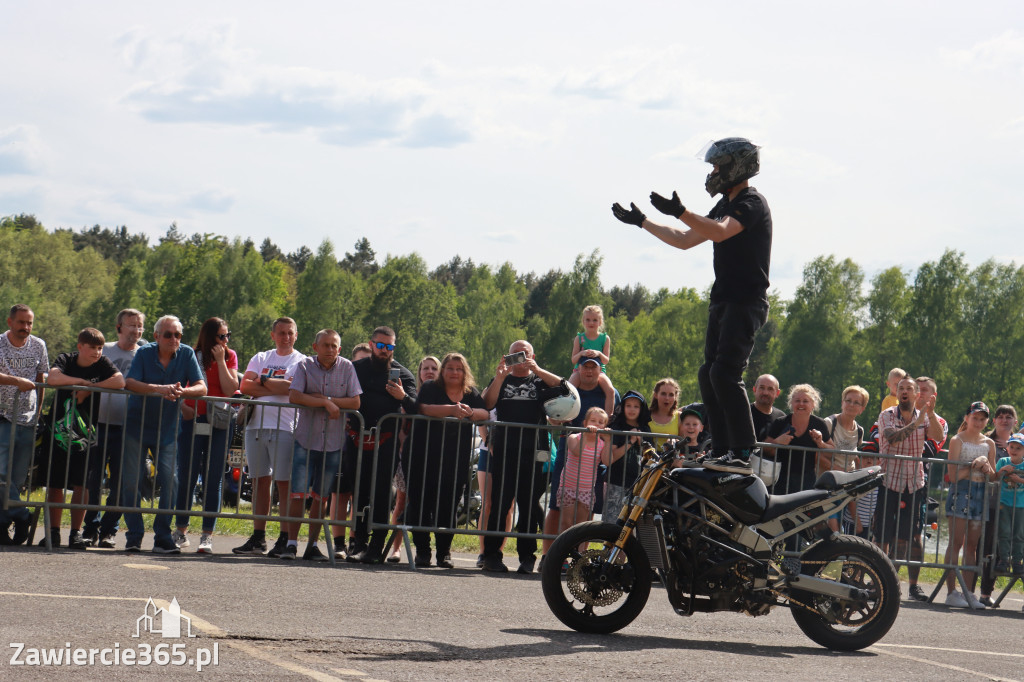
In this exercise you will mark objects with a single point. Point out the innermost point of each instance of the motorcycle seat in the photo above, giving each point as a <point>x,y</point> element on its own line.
<point>835,480</point>
<point>779,505</point>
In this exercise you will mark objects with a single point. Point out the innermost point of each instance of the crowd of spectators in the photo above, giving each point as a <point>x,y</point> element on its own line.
<point>323,437</point>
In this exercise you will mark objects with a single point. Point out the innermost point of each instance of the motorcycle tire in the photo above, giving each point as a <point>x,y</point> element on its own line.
<point>581,597</point>
<point>840,624</point>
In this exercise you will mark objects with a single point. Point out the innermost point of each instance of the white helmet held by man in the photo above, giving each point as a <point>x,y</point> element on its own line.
<point>564,405</point>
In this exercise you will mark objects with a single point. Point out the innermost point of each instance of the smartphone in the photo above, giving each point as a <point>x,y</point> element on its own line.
<point>515,358</point>
<point>396,375</point>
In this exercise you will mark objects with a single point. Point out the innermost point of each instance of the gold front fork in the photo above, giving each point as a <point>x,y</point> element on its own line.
<point>636,508</point>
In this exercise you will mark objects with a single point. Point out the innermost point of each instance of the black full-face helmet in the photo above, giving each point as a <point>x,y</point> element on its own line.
<point>737,160</point>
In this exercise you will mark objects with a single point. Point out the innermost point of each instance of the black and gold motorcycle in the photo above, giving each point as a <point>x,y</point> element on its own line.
<point>718,542</point>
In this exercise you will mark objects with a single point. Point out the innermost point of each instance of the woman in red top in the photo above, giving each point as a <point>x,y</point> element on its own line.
<point>206,432</point>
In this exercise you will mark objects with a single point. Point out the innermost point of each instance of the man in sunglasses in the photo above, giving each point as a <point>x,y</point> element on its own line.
<point>388,388</point>
<point>162,374</point>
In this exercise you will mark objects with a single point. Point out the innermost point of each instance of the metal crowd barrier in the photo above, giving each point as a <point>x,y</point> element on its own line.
<point>438,462</point>
<point>923,530</point>
<point>86,458</point>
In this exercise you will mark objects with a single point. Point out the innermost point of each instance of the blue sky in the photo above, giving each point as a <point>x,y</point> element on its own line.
<point>890,131</point>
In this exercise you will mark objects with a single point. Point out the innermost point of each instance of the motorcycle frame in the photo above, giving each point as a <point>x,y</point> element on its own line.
<point>762,544</point>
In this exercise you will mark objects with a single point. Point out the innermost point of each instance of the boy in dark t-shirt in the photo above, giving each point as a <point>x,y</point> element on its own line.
<point>740,226</point>
<point>73,414</point>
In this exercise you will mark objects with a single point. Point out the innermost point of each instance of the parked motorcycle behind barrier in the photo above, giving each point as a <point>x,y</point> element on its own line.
<point>717,542</point>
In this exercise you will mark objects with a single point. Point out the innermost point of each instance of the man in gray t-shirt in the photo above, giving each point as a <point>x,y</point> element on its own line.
<point>101,529</point>
<point>23,362</point>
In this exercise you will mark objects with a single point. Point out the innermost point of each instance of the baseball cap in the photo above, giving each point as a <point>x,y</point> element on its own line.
<point>587,359</point>
<point>1017,438</point>
<point>690,410</point>
<point>978,406</point>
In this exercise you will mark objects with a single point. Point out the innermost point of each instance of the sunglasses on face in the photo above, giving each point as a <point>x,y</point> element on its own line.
<point>385,346</point>
<point>172,335</point>
<point>224,337</point>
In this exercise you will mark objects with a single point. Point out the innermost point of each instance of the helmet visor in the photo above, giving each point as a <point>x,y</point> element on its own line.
<point>706,152</point>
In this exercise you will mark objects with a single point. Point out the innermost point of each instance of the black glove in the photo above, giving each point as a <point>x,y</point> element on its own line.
<point>672,207</point>
<point>632,217</point>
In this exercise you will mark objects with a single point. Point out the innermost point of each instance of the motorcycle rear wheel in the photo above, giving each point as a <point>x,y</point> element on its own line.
<point>591,595</point>
<point>848,625</point>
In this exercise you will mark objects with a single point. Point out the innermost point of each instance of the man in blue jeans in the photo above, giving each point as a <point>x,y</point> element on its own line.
<point>740,226</point>
<point>162,373</point>
<point>23,360</point>
<point>101,528</point>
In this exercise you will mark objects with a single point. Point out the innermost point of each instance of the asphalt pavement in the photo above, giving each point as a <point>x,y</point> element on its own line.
<point>282,620</point>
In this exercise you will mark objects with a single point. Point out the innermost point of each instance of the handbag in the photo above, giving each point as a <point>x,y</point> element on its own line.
<point>219,414</point>
<point>765,469</point>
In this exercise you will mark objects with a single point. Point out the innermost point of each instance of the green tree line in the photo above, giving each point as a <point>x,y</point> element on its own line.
<point>947,320</point>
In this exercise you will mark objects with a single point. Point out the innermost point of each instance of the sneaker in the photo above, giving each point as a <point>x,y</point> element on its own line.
<point>987,601</point>
<point>5,535</point>
<point>180,539</point>
<point>165,546</point>
<point>356,552</point>
<point>205,544</point>
<point>956,599</point>
<point>917,593</point>
<point>282,542</point>
<point>526,565</point>
<point>106,542</point>
<point>730,463</point>
<point>1018,570</point>
<point>289,552</point>
<point>494,564</point>
<point>313,553</point>
<point>133,545</point>
<point>367,556</point>
<point>54,538</point>
<point>1002,567</point>
<point>20,531</point>
<point>973,601</point>
<point>422,560</point>
<point>395,557</point>
<point>252,546</point>
<point>91,536</point>
<point>445,561</point>
<point>76,541</point>
<point>479,560</point>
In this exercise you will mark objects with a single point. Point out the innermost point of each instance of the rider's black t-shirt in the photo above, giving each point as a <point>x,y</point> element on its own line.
<point>742,261</point>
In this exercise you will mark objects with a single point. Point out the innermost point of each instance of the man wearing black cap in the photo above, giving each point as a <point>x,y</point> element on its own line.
<point>740,226</point>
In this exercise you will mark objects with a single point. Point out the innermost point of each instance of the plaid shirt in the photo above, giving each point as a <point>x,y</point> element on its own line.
<point>314,430</point>
<point>902,475</point>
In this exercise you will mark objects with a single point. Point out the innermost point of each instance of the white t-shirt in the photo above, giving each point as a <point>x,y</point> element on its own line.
<point>274,366</point>
<point>112,405</point>
<point>27,362</point>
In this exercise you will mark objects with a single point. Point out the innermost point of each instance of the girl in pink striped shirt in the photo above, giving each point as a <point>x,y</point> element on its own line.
<point>583,452</point>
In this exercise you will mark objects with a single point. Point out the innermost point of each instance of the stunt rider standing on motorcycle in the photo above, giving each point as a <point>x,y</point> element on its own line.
<point>740,225</point>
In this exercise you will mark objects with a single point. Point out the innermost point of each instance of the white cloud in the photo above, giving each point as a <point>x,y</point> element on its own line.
<point>201,77</point>
<point>1004,50</point>
<point>20,150</point>
<point>169,204</point>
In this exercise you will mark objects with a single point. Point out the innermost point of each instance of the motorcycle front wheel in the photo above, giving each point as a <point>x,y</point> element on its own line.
<point>843,624</point>
<point>588,592</point>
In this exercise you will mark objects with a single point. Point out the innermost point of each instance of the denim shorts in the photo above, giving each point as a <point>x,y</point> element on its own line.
<point>313,471</point>
<point>966,500</point>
